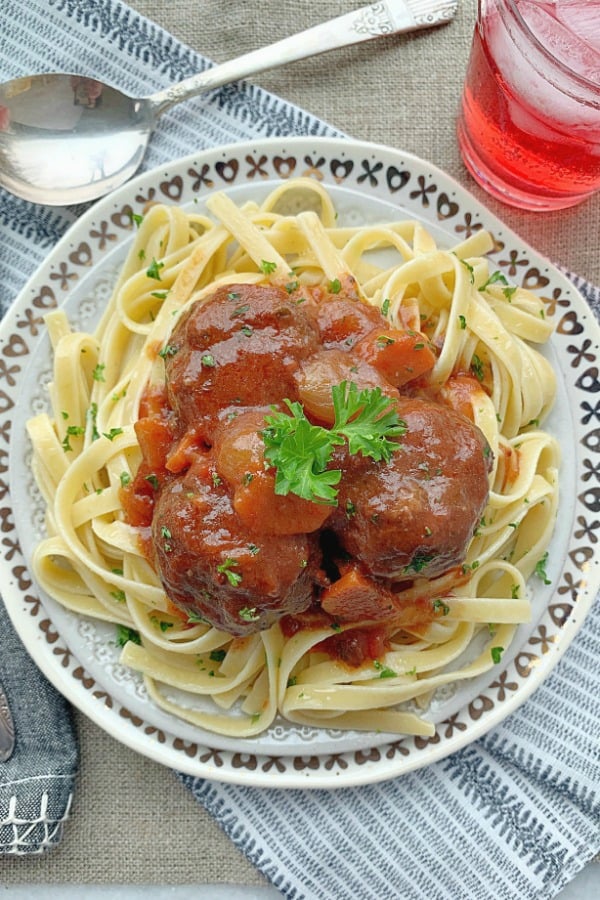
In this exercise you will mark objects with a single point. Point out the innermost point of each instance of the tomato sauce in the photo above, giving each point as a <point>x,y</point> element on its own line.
<point>229,544</point>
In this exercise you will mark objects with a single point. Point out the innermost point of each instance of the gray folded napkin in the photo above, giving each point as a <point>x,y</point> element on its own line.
<point>513,815</point>
<point>36,783</point>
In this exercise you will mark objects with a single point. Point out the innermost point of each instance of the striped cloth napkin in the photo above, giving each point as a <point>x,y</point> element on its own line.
<point>514,815</point>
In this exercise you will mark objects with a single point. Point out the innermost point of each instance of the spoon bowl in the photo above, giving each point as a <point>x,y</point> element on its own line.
<point>62,148</point>
<point>67,139</point>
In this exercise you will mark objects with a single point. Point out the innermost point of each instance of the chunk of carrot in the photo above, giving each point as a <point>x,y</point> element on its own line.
<point>461,393</point>
<point>400,356</point>
<point>184,452</point>
<point>155,438</point>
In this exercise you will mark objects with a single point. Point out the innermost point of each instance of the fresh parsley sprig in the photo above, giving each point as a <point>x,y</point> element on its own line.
<point>367,419</point>
<point>300,452</point>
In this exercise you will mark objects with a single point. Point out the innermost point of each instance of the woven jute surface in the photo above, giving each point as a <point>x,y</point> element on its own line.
<point>132,821</point>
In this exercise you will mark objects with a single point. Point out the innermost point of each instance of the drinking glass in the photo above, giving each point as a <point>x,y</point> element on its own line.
<point>529,124</point>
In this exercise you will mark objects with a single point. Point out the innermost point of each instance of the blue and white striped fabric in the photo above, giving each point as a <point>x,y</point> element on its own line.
<point>515,815</point>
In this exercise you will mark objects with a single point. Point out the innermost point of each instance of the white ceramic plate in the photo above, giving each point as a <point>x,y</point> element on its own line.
<point>368,182</point>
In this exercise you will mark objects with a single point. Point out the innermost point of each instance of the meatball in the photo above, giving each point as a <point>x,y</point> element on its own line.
<point>239,348</point>
<point>212,566</point>
<point>415,515</point>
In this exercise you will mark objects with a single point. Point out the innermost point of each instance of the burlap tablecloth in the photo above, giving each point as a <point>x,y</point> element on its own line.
<point>132,821</point>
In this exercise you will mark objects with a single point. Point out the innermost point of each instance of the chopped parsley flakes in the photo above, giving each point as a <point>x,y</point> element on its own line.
<point>226,569</point>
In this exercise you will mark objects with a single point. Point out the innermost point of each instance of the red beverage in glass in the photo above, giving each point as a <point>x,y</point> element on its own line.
<point>529,127</point>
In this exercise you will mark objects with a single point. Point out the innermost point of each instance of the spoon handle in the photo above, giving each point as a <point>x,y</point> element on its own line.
<point>383,18</point>
<point>7,729</point>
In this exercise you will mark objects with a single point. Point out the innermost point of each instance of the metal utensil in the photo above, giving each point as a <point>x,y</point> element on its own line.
<point>7,729</point>
<point>67,139</point>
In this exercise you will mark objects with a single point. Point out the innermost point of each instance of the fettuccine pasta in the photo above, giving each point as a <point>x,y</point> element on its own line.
<point>487,364</point>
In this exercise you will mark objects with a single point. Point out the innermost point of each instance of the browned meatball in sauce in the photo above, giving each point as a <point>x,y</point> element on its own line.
<point>212,566</point>
<point>415,515</point>
<point>239,348</point>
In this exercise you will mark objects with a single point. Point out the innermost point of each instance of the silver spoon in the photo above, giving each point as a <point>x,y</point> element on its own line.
<point>67,139</point>
<point>7,729</point>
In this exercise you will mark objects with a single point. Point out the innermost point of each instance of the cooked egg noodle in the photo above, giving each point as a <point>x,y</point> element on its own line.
<point>85,448</point>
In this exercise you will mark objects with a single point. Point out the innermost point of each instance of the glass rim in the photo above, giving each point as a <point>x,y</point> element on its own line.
<point>561,66</point>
